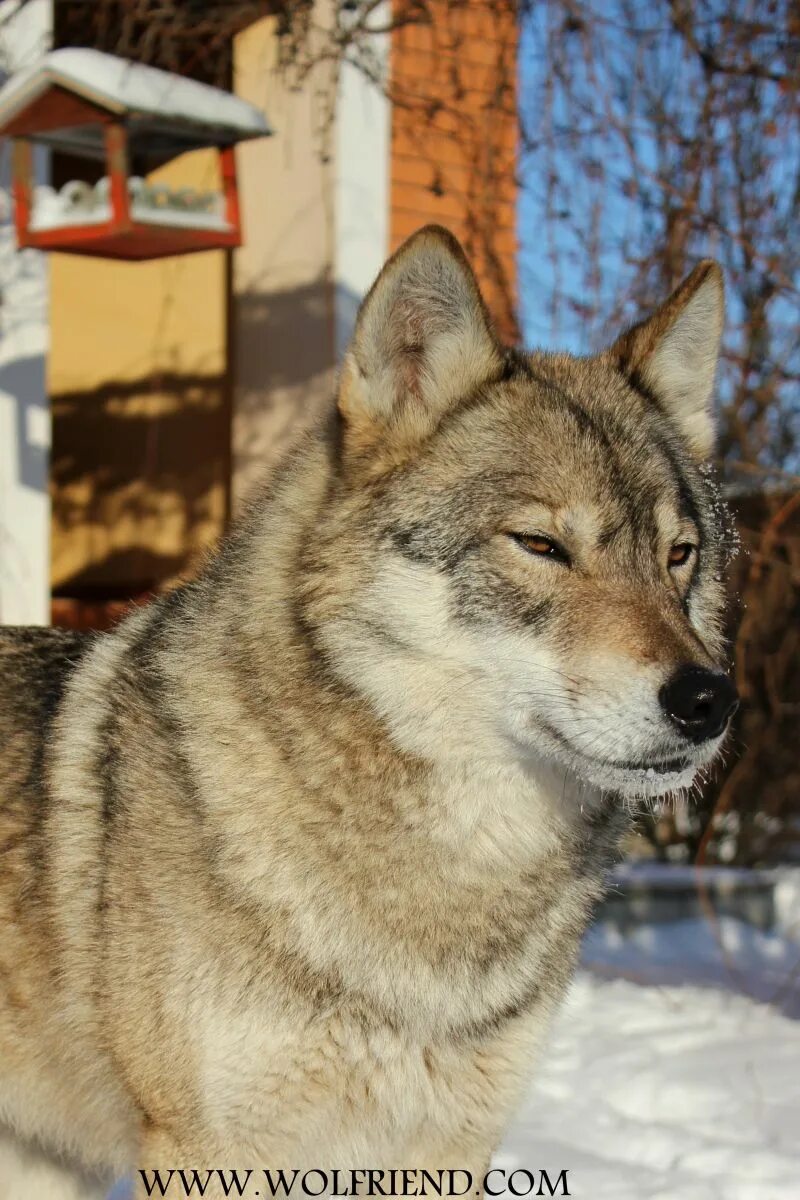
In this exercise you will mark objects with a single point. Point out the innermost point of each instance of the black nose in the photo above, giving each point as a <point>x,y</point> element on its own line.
<point>699,702</point>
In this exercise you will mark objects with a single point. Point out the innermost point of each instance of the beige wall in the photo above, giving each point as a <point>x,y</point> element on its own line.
<point>139,364</point>
<point>283,333</point>
<point>136,375</point>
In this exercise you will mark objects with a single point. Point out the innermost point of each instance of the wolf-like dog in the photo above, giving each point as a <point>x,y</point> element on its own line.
<point>296,860</point>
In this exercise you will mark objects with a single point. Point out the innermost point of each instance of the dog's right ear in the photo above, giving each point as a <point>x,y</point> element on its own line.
<point>422,342</point>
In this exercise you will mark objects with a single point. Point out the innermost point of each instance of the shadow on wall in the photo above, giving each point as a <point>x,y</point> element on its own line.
<point>139,468</point>
<point>285,354</point>
<point>137,480</point>
<point>24,380</point>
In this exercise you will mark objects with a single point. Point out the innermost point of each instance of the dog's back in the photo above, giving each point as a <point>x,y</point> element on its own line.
<point>35,667</point>
<point>55,1085</point>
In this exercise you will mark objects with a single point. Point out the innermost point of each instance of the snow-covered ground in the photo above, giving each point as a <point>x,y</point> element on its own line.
<point>664,1078</point>
<point>664,1093</point>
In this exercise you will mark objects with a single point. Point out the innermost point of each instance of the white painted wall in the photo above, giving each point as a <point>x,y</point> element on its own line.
<point>361,188</point>
<point>25,34</point>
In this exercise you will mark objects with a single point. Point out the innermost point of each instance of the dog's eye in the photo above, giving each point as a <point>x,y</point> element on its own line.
<point>680,553</point>
<point>544,547</point>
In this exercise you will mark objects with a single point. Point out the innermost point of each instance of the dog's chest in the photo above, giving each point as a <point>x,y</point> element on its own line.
<point>430,983</point>
<point>405,1057</point>
<point>336,1092</point>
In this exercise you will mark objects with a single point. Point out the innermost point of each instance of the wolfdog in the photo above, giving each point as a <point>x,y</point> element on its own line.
<point>296,861</point>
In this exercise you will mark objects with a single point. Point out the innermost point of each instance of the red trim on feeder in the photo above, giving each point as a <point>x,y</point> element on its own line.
<point>116,141</point>
<point>139,241</point>
<point>230,190</point>
<point>122,236</point>
<point>21,172</point>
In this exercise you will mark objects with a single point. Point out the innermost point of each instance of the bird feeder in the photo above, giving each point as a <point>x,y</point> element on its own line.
<point>132,118</point>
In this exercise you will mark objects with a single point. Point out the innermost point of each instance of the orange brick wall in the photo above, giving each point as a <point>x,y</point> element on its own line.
<point>454,138</point>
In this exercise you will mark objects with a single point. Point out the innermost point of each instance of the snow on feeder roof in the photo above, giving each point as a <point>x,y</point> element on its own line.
<point>134,118</point>
<point>158,103</point>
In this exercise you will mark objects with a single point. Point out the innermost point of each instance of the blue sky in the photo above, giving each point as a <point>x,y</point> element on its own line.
<point>575,299</point>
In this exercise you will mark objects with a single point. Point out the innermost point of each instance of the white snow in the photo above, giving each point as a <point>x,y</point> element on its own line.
<point>80,203</point>
<point>664,1093</point>
<point>121,86</point>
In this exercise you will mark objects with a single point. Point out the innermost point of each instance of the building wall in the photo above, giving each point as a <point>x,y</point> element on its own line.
<point>140,358</point>
<point>454,138</point>
<point>24,413</point>
<point>152,363</point>
<point>137,377</point>
<point>316,213</point>
<point>283,284</point>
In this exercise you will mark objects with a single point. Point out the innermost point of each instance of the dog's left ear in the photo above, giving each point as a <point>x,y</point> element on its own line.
<point>673,354</point>
<point>422,342</point>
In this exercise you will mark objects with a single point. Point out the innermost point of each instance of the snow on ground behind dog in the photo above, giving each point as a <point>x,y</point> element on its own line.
<point>668,1076</point>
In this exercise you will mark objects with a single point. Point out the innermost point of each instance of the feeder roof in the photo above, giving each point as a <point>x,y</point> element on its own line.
<point>125,88</point>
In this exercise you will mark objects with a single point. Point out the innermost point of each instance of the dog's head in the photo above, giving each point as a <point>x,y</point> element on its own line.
<point>528,550</point>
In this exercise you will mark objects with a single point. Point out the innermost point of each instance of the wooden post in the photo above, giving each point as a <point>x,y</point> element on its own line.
<point>21,166</point>
<point>116,142</point>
